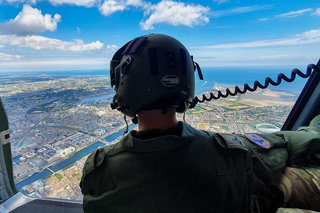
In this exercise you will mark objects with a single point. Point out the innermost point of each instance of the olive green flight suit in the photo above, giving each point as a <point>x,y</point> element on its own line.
<point>301,188</point>
<point>194,172</point>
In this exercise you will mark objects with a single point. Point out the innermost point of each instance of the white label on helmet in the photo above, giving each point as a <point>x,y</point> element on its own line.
<point>170,80</point>
<point>4,137</point>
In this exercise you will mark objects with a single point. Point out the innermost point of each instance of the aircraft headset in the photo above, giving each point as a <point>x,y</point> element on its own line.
<point>152,72</point>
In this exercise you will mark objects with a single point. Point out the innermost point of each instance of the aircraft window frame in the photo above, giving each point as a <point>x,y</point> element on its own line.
<point>21,203</point>
<point>307,105</point>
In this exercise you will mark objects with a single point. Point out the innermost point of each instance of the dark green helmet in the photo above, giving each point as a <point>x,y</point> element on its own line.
<point>152,72</point>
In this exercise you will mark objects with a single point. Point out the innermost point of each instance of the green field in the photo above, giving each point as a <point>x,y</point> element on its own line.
<point>58,176</point>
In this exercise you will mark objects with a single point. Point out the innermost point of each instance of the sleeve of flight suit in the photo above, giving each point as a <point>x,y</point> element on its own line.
<point>289,176</point>
<point>272,153</point>
<point>268,159</point>
<point>300,187</point>
<point>304,144</point>
<point>294,210</point>
<point>300,183</point>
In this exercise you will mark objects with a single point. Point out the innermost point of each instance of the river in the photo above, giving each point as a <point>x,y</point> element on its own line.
<point>16,159</point>
<point>72,159</point>
<point>115,135</point>
<point>63,164</point>
<point>96,98</point>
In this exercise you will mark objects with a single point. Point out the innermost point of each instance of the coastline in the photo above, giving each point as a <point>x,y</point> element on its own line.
<point>258,98</point>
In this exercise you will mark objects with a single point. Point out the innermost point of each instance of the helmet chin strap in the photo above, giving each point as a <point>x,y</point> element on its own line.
<point>127,127</point>
<point>164,110</point>
<point>135,120</point>
<point>196,66</point>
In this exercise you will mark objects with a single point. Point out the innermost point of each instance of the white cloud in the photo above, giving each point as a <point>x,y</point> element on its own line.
<point>257,56</point>
<point>298,49</point>
<point>263,19</point>
<point>220,1</point>
<point>1,46</point>
<point>85,3</point>
<point>111,6</point>
<point>79,62</point>
<point>271,57</point>
<point>294,13</point>
<point>309,37</point>
<point>8,57</point>
<point>317,12</point>
<point>43,43</point>
<point>22,1</point>
<point>175,13</point>
<point>68,62</point>
<point>239,10</point>
<point>30,21</point>
<point>136,3</point>
<point>112,47</point>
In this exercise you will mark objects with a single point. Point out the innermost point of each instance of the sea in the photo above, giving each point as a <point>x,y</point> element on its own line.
<point>230,76</point>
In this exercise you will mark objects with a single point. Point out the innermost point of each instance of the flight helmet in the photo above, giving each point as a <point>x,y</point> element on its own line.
<point>150,72</point>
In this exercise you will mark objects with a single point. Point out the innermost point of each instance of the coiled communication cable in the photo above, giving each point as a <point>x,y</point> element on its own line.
<point>257,84</point>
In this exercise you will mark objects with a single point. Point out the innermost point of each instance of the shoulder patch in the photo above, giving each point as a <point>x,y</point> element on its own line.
<point>233,141</point>
<point>258,140</point>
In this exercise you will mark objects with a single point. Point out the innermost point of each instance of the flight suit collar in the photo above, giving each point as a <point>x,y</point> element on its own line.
<point>158,144</point>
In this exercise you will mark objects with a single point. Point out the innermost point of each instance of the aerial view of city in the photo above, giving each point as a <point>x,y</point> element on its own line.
<point>55,57</point>
<point>56,121</point>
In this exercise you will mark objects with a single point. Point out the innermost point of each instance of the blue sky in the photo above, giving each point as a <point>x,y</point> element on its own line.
<point>84,34</point>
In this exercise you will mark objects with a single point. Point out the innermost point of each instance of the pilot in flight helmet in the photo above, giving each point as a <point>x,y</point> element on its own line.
<point>150,72</point>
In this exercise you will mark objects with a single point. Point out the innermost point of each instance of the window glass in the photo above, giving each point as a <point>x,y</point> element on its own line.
<point>55,122</point>
<point>57,119</point>
<point>55,86</point>
<point>260,111</point>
